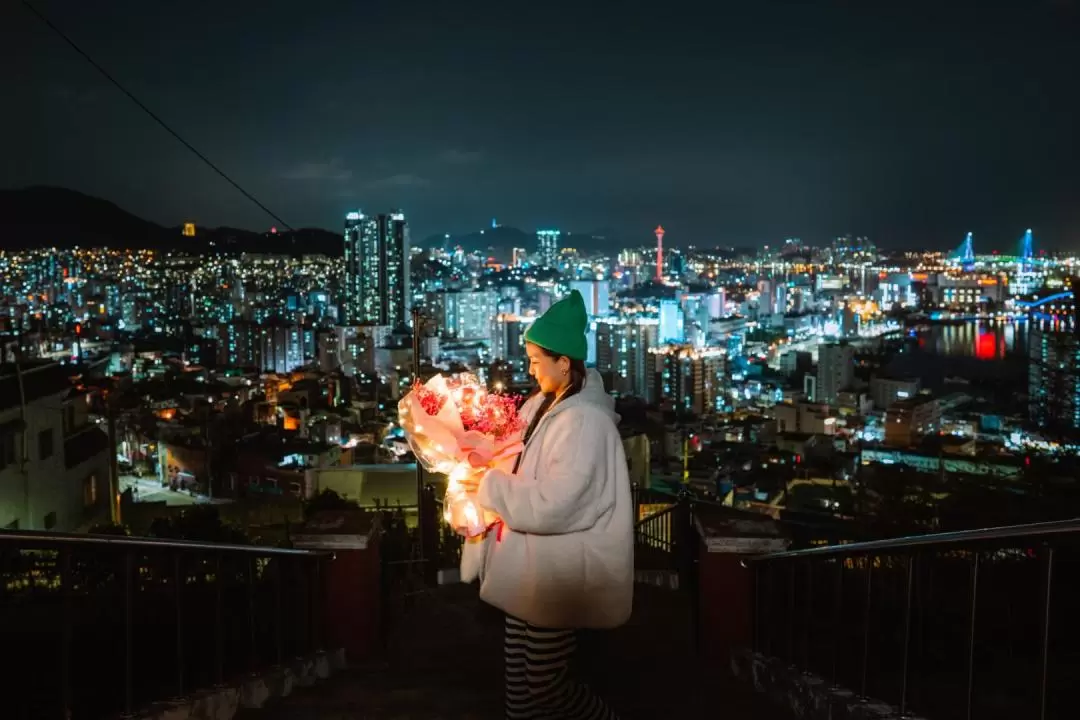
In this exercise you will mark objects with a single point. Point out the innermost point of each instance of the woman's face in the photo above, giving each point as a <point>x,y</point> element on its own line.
<point>552,374</point>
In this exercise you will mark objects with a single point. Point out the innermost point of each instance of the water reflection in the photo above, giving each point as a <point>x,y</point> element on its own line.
<point>980,339</point>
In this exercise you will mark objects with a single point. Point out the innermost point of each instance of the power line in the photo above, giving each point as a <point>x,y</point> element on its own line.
<point>153,116</point>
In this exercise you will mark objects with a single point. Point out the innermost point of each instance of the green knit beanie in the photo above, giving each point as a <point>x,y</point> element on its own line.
<point>562,328</point>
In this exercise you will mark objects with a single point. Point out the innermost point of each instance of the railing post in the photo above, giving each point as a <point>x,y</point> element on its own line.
<point>320,609</point>
<point>756,643</point>
<point>771,577</point>
<point>129,631</point>
<point>178,591</point>
<point>791,615</point>
<point>971,632</point>
<point>253,659</point>
<point>279,568</point>
<point>838,601</point>
<point>429,522</point>
<point>219,622</point>
<point>681,535</point>
<point>866,627</point>
<point>809,620</point>
<point>688,548</point>
<point>1045,665</point>
<point>65,670</point>
<point>911,562</point>
<point>311,609</point>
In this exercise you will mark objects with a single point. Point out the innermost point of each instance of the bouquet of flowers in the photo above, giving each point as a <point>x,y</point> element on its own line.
<point>456,427</point>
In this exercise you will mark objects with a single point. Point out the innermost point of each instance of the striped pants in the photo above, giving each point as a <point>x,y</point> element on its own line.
<point>538,683</point>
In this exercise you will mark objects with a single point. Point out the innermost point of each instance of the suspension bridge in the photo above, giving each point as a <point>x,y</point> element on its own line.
<point>965,256</point>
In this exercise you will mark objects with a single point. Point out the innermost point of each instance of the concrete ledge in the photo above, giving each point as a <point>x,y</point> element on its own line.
<point>252,691</point>
<point>807,696</point>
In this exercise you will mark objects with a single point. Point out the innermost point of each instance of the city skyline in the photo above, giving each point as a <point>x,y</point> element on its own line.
<point>74,214</point>
<point>730,128</point>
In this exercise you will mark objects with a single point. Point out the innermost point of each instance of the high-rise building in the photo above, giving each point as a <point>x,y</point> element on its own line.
<point>1054,375</point>
<point>698,311</point>
<point>286,347</point>
<point>547,247</point>
<point>350,349</point>
<point>508,336</point>
<point>595,293</point>
<point>376,269</point>
<point>622,352</point>
<point>772,297</point>
<point>691,380</point>
<point>835,371</point>
<point>272,347</point>
<point>468,314</point>
<point>672,322</point>
<point>360,241</point>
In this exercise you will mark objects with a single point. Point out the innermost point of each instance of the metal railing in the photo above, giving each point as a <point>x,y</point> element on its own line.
<point>413,556</point>
<point>655,531</point>
<point>665,540</point>
<point>97,625</point>
<point>649,496</point>
<point>974,624</point>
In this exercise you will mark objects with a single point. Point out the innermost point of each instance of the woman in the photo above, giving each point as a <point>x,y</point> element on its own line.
<point>563,556</point>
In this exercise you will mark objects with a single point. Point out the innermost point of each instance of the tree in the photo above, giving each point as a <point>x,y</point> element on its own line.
<point>201,523</point>
<point>328,500</point>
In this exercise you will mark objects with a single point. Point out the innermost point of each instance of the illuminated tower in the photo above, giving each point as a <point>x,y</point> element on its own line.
<point>659,253</point>
<point>1027,251</point>
<point>967,253</point>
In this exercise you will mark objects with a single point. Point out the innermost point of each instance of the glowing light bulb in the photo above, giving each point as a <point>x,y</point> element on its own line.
<point>472,518</point>
<point>459,473</point>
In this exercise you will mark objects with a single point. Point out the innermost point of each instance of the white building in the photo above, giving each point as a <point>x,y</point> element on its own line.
<point>835,371</point>
<point>595,293</point>
<point>468,314</point>
<point>672,322</point>
<point>55,474</point>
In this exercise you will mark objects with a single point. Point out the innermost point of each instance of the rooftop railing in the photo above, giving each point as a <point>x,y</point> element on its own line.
<point>974,624</point>
<point>97,625</point>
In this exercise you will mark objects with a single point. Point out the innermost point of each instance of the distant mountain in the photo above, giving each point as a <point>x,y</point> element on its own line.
<point>39,217</point>
<point>42,217</point>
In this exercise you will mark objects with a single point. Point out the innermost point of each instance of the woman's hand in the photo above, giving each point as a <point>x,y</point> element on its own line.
<point>465,517</point>
<point>466,477</point>
<point>471,484</point>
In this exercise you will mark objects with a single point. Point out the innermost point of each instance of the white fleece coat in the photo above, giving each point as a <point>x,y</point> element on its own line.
<point>566,555</point>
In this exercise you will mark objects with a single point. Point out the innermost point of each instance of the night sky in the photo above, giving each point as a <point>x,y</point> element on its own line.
<point>912,122</point>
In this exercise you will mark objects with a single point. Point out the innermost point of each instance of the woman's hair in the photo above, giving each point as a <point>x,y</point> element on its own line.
<point>577,381</point>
